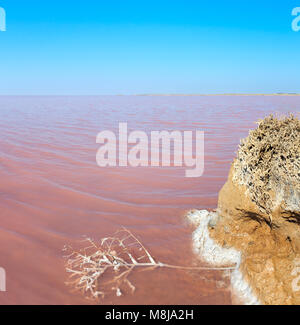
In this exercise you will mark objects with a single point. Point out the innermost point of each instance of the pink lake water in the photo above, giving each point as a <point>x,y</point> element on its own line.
<point>52,192</point>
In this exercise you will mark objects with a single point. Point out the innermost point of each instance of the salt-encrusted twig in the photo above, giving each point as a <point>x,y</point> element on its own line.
<point>106,266</point>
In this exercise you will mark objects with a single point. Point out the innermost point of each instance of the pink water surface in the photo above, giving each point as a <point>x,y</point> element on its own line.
<point>52,191</point>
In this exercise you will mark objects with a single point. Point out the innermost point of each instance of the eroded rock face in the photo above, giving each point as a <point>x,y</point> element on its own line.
<point>259,210</point>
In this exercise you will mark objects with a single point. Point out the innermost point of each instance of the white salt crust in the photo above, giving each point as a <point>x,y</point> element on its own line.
<point>216,255</point>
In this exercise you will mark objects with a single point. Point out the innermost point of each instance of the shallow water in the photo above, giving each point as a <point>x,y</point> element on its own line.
<point>52,191</point>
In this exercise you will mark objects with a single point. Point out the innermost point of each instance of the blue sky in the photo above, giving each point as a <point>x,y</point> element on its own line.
<point>135,47</point>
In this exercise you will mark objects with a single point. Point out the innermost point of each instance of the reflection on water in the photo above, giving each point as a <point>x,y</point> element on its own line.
<point>52,191</point>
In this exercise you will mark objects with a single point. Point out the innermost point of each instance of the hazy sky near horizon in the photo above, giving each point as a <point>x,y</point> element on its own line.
<point>135,47</point>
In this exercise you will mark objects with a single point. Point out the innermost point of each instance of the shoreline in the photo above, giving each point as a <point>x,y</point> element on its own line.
<point>209,251</point>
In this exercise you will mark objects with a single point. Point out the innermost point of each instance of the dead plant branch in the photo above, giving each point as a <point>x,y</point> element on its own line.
<point>99,268</point>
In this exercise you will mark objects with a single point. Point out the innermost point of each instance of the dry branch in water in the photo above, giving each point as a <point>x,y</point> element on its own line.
<point>106,266</point>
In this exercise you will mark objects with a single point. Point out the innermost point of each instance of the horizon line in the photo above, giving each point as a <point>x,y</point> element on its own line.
<point>154,94</point>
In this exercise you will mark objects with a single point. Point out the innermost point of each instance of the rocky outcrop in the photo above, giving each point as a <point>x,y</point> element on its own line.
<point>259,210</point>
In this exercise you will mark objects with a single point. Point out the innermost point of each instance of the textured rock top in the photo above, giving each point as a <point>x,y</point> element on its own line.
<point>268,164</point>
